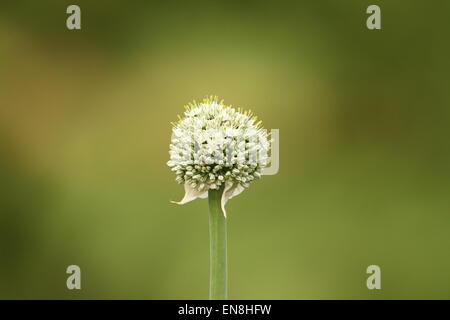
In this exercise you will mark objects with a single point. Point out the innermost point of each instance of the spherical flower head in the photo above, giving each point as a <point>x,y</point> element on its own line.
<point>214,145</point>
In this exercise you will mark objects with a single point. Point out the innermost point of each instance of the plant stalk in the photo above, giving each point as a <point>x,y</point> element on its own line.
<point>217,247</point>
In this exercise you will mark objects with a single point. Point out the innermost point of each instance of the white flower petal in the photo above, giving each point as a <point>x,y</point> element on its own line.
<point>191,194</point>
<point>231,190</point>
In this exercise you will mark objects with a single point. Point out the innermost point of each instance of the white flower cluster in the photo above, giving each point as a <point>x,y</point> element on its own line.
<point>215,144</point>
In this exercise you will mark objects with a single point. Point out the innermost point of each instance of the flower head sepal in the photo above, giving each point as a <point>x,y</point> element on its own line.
<point>231,190</point>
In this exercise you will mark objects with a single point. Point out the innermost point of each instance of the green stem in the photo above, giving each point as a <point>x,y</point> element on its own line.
<point>217,247</point>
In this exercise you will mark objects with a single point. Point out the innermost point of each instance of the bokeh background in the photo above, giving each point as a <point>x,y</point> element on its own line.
<point>365,156</point>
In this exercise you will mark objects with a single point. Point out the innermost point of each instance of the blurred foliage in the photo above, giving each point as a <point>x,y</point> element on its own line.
<point>364,125</point>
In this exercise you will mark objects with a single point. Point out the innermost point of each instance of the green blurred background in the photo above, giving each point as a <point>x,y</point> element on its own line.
<point>365,156</point>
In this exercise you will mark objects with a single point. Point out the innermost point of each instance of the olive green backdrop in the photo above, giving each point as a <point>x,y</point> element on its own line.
<point>365,157</point>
